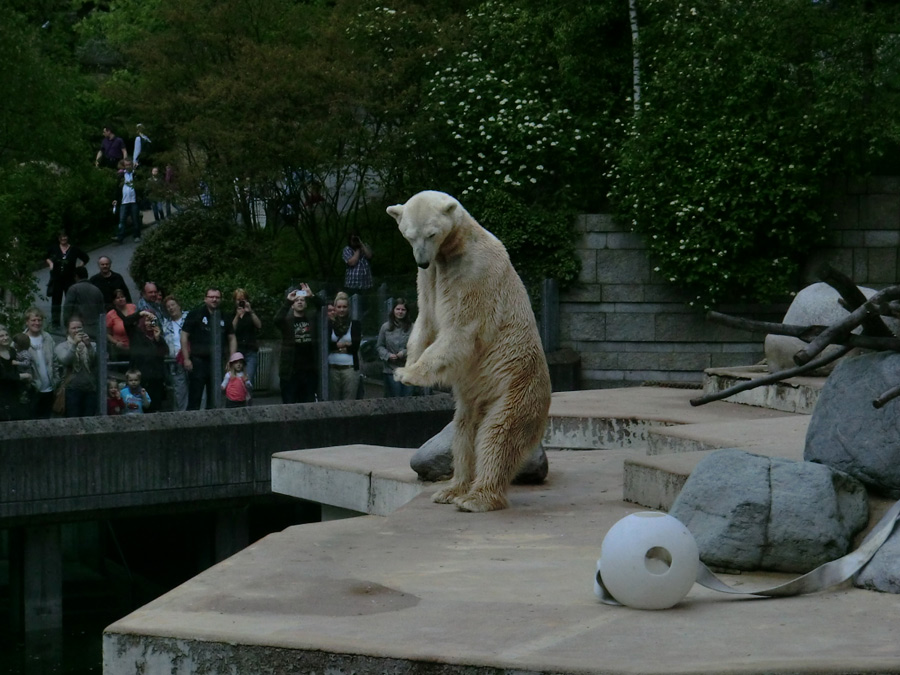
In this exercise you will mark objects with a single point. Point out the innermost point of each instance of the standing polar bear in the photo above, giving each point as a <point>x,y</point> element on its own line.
<point>475,332</point>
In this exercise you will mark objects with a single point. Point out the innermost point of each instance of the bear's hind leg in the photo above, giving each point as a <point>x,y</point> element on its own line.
<point>463,449</point>
<point>502,444</point>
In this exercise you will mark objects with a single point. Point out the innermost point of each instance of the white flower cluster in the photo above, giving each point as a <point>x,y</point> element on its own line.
<point>502,126</point>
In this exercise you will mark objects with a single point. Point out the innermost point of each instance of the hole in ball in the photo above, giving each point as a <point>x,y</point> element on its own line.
<point>657,560</point>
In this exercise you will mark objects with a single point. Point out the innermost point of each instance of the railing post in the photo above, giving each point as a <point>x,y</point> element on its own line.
<point>102,365</point>
<point>550,315</point>
<point>324,337</point>
<point>215,374</point>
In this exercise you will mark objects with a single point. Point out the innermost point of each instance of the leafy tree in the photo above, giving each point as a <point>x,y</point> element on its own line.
<point>47,181</point>
<point>748,110</point>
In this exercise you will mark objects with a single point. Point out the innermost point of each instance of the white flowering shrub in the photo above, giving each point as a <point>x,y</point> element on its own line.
<point>747,110</point>
<point>498,122</point>
<point>510,122</point>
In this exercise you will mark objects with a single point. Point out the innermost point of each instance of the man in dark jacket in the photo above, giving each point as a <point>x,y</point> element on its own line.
<point>85,300</point>
<point>197,339</point>
<point>108,281</point>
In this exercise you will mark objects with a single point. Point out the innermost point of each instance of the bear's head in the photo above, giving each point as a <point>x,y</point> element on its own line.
<point>426,221</point>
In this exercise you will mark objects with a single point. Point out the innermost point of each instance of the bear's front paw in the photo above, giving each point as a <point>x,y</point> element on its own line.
<point>449,494</point>
<point>479,502</point>
<point>411,377</point>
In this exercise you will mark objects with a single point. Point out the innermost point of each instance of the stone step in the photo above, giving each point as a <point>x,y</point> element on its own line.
<point>354,479</point>
<point>599,419</point>
<point>774,436</point>
<point>795,395</point>
<point>348,479</point>
<point>654,480</point>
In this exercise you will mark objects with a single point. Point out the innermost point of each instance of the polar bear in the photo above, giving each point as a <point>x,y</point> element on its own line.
<point>475,332</point>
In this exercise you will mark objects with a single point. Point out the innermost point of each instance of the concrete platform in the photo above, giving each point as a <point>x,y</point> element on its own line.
<point>431,590</point>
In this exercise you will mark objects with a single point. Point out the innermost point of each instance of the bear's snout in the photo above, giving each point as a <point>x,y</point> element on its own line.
<point>423,265</point>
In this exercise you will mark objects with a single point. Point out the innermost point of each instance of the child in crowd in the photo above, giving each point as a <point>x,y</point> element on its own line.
<point>114,403</point>
<point>236,385</point>
<point>22,343</point>
<point>134,396</point>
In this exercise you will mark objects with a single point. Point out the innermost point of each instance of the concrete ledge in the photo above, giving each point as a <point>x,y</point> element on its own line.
<point>655,482</point>
<point>599,419</point>
<point>364,478</point>
<point>65,469</point>
<point>775,437</point>
<point>795,395</point>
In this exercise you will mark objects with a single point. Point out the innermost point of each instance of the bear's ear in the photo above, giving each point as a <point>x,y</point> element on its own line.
<point>449,205</point>
<point>395,211</point>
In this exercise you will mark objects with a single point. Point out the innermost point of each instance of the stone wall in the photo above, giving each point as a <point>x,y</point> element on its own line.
<point>632,326</point>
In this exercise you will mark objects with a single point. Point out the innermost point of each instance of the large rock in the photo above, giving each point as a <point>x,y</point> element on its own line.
<point>848,433</point>
<point>882,573</point>
<point>434,460</point>
<point>750,512</point>
<point>815,305</point>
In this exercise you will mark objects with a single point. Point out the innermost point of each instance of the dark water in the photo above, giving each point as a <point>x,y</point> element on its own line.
<point>111,568</point>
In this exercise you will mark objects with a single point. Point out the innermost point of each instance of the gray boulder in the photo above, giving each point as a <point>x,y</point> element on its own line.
<point>434,460</point>
<point>750,512</point>
<point>848,433</point>
<point>882,573</point>
<point>815,305</point>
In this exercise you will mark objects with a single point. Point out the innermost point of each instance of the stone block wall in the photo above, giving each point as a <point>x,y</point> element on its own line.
<point>864,232</point>
<point>631,326</point>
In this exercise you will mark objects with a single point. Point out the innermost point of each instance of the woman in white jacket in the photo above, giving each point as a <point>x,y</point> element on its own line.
<point>44,367</point>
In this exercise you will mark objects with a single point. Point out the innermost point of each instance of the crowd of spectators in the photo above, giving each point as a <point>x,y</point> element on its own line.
<point>162,357</point>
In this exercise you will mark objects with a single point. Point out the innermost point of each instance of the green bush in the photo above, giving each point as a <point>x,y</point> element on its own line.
<point>540,241</point>
<point>202,248</point>
<point>747,111</point>
<point>37,200</point>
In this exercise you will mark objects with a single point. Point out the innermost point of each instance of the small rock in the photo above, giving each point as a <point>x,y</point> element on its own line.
<point>434,460</point>
<point>882,572</point>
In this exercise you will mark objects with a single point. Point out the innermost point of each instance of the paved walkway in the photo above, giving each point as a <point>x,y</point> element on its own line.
<point>120,254</point>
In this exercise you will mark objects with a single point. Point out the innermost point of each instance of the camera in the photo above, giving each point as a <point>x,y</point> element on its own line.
<point>301,293</point>
<point>242,304</point>
<point>152,322</point>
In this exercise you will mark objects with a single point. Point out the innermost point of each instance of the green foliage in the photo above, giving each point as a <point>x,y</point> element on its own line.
<point>186,254</point>
<point>494,117</point>
<point>540,241</point>
<point>38,96</point>
<point>509,119</point>
<point>747,110</point>
<point>196,243</point>
<point>38,200</point>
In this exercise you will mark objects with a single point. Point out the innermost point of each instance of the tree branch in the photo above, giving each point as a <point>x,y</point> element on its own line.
<point>769,379</point>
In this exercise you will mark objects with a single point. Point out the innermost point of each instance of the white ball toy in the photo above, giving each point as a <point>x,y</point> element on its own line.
<point>648,560</point>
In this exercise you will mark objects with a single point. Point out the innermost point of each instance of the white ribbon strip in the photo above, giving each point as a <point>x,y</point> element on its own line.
<point>824,576</point>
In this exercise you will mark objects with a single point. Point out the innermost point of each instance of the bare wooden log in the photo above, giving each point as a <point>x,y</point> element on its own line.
<point>805,333</point>
<point>853,298</point>
<point>891,309</point>
<point>887,396</point>
<point>769,379</point>
<point>841,329</point>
